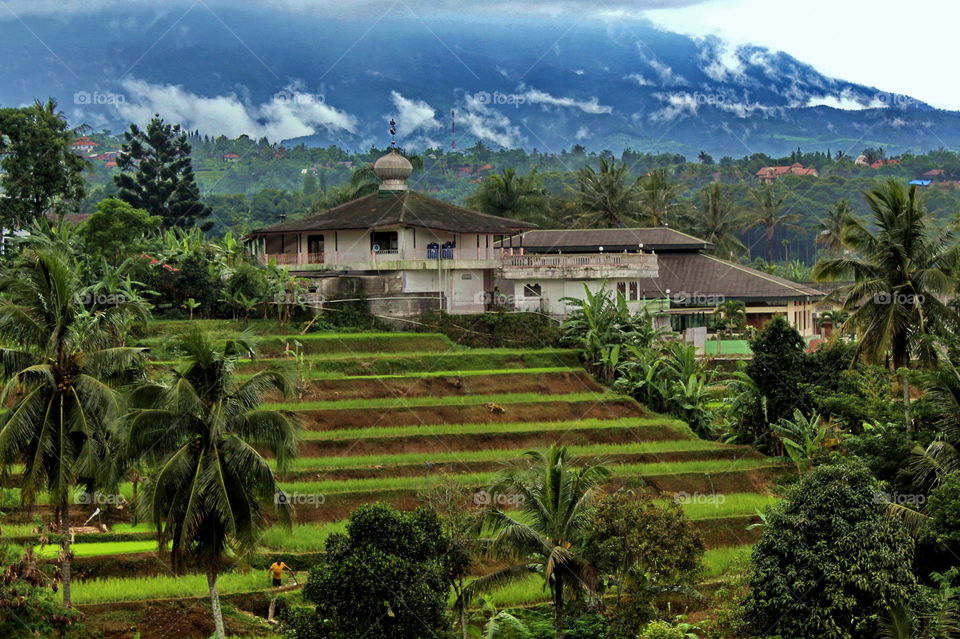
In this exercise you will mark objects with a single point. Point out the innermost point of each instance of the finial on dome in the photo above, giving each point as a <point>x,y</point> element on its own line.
<point>393,170</point>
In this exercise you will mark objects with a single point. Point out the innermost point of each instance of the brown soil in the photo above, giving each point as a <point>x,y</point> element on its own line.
<point>519,382</point>
<point>329,419</point>
<point>728,531</point>
<point>483,441</point>
<point>168,618</point>
<point>412,470</point>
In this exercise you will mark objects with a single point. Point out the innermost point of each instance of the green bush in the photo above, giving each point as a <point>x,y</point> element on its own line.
<point>661,630</point>
<point>830,560</point>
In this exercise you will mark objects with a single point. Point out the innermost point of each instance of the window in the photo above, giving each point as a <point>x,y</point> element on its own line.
<point>314,244</point>
<point>622,288</point>
<point>634,291</point>
<point>381,241</point>
<point>531,290</point>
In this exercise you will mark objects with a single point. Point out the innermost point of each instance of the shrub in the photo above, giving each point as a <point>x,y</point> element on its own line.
<point>661,630</point>
<point>830,560</point>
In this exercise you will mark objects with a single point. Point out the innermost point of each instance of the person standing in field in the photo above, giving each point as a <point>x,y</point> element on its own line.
<point>276,571</point>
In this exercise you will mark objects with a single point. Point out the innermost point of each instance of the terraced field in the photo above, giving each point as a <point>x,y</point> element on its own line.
<point>385,415</point>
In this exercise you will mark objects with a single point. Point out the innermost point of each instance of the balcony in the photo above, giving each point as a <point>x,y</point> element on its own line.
<point>388,259</point>
<point>579,266</point>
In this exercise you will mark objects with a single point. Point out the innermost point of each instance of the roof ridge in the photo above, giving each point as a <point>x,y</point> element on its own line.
<point>473,212</point>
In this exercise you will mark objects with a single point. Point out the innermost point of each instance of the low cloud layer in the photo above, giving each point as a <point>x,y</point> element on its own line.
<point>289,113</point>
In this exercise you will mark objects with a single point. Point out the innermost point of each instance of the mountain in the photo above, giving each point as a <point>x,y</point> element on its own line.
<point>304,78</point>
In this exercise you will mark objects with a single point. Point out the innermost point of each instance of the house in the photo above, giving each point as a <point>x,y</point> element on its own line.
<point>770,174</point>
<point>933,174</point>
<point>675,267</point>
<point>83,145</point>
<point>406,252</point>
<point>231,157</point>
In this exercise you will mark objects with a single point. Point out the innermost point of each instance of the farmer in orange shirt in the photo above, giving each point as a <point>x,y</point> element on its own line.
<point>276,570</point>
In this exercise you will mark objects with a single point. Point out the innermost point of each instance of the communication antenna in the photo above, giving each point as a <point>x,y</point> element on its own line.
<point>393,133</point>
<point>453,129</point>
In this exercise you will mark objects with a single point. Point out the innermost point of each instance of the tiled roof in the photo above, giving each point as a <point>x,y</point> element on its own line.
<point>612,240</point>
<point>698,275</point>
<point>401,208</point>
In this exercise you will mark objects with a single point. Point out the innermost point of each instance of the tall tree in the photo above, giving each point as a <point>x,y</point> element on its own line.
<point>510,195</point>
<point>203,431</point>
<point>157,174</point>
<point>830,228</point>
<point>901,270</point>
<point>554,492</point>
<point>768,213</point>
<point>59,371</point>
<point>660,202</point>
<point>717,220</point>
<point>40,173</point>
<point>607,197</point>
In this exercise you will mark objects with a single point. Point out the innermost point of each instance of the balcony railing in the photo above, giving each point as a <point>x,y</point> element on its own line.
<point>286,259</point>
<point>579,260</point>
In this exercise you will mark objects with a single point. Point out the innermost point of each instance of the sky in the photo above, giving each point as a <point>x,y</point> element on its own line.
<point>905,47</point>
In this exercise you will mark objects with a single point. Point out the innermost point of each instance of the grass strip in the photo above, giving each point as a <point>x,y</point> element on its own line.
<point>164,587</point>
<point>97,549</point>
<point>301,537</point>
<point>386,460</point>
<point>703,506</point>
<point>386,432</point>
<point>453,400</point>
<point>332,487</point>
<point>718,562</point>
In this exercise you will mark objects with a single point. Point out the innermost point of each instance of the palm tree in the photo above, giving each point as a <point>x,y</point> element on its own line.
<point>60,371</point>
<point>831,227</point>
<point>606,197</point>
<point>554,494</point>
<point>202,432</point>
<point>900,273</point>
<point>510,195</point>
<point>660,202</point>
<point>718,219</point>
<point>767,213</point>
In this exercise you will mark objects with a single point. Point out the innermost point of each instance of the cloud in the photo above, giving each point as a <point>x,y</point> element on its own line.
<point>593,106</point>
<point>677,105</point>
<point>289,113</point>
<point>846,100</point>
<point>721,60</point>
<point>488,124</point>
<point>413,115</point>
<point>582,133</point>
<point>639,79</point>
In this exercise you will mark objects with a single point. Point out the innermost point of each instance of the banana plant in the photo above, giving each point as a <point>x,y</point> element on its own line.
<point>802,438</point>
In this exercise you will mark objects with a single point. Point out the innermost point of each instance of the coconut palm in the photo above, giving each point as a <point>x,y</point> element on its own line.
<point>510,195</point>
<point>554,492</point>
<point>607,197</point>
<point>717,220</point>
<point>202,431</point>
<point>830,228</point>
<point>60,371</point>
<point>660,202</point>
<point>900,273</point>
<point>768,213</point>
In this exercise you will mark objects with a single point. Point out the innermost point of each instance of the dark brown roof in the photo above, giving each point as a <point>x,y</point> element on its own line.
<point>697,276</point>
<point>612,240</point>
<point>401,208</point>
